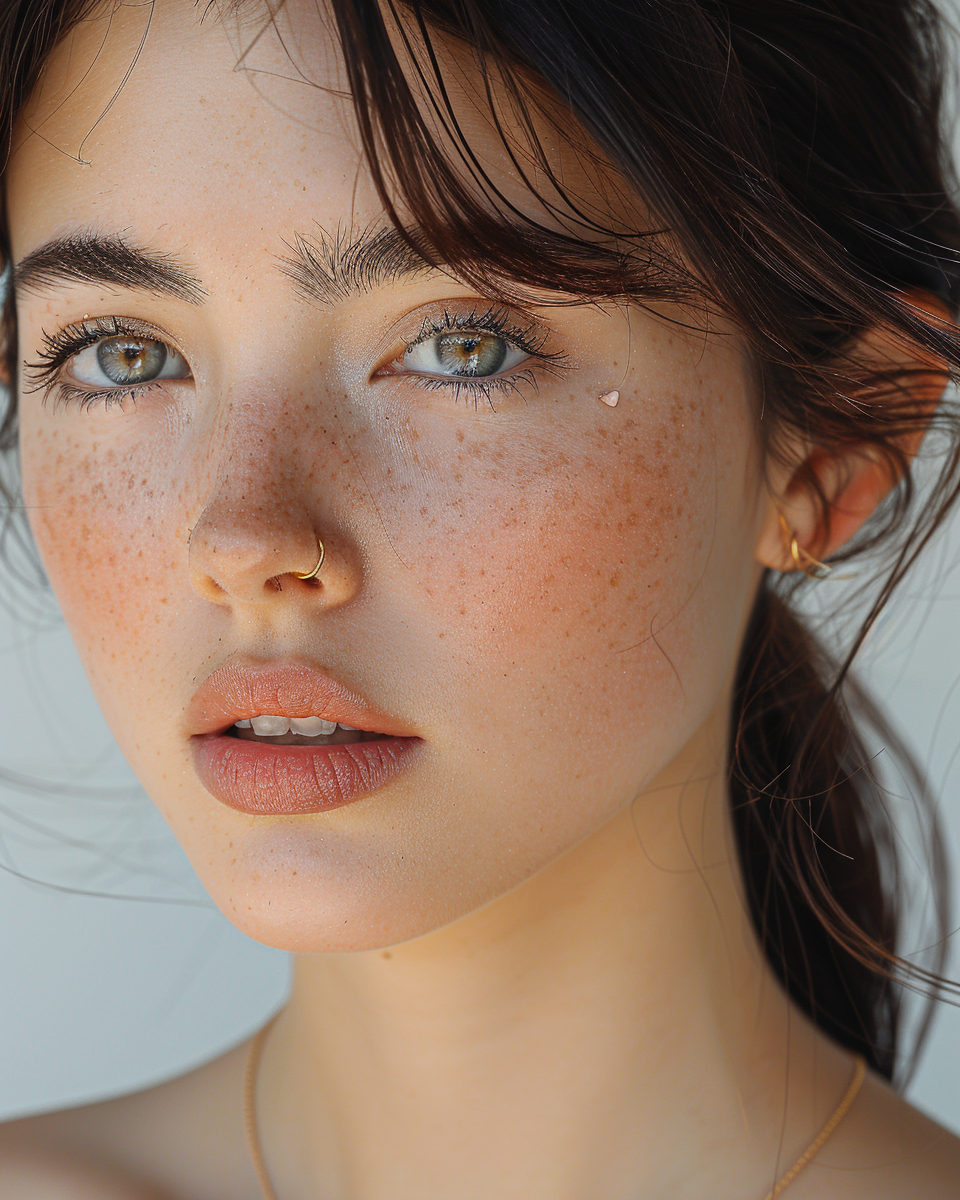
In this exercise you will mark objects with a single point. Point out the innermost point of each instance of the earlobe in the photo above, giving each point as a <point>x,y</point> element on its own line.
<point>802,561</point>
<point>828,499</point>
<point>781,545</point>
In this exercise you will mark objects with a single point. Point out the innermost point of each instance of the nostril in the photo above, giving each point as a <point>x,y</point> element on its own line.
<point>277,581</point>
<point>249,556</point>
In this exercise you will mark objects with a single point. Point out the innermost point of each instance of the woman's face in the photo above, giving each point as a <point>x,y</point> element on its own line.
<point>538,596</point>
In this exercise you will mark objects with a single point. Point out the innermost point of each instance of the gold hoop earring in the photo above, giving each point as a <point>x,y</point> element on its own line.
<point>810,566</point>
<point>316,570</point>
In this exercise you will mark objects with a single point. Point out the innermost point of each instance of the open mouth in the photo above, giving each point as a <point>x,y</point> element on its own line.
<point>276,730</point>
<point>290,774</point>
<point>261,745</point>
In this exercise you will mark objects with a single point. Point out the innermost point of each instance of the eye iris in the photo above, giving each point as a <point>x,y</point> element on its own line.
<point>471,353</point>
<point>131,360</point>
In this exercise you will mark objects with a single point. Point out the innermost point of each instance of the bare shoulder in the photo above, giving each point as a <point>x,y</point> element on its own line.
<point>181,1140</point>
<point>886,1149</point>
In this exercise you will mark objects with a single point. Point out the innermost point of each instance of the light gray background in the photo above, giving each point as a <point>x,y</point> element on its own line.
<point>102,995</point>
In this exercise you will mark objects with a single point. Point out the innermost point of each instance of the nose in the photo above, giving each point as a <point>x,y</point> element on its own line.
<point>257,537</point>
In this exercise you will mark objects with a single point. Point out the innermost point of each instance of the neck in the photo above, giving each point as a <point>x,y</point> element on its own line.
<point>608,1028</point>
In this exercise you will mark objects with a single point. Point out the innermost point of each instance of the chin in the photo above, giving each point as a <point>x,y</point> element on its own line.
<point>304,925</point>
<point>310,892</point>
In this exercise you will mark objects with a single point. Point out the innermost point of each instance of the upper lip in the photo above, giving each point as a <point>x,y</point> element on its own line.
<point>238,691</point>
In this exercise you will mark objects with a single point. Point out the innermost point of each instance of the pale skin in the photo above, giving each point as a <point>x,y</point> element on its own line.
<point>524,968</point>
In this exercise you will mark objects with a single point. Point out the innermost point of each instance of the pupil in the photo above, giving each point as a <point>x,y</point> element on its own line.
<point>131,360</point>
<point>472,353</point>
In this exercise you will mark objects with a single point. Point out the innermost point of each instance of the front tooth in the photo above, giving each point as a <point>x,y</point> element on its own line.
<point>243,724</point>
<point>312,726</point>
<point>270,726</point>
<point>348,728</point>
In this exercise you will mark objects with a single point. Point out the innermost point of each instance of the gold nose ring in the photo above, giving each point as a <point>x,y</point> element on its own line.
<point>316,570</point>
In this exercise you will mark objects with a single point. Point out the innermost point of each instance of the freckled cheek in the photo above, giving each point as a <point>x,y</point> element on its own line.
<point>103,530</point>
<point>589,562</point>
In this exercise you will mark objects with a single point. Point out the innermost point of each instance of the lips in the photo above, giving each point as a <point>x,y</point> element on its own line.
<point>275,780</point>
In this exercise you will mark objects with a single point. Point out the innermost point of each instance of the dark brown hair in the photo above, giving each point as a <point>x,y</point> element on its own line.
<point>780,162</point>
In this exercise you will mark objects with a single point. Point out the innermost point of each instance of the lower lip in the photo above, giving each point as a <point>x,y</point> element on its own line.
<point>265,780</point>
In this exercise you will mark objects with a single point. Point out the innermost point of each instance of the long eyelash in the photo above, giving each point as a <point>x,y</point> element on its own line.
<point>497,321</point>
<point>477,388</point>
<point>56,350</point>
<point>67,395</point>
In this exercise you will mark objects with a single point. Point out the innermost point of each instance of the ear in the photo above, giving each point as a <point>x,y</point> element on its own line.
<point>853,478</point>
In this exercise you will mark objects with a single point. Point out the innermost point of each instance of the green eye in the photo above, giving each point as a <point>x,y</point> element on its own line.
<point>463,353</point>
<point>127,361</point>
<point>131,360</point>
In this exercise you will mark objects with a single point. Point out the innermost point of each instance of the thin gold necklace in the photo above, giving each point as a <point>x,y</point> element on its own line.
<point>256,1153</point>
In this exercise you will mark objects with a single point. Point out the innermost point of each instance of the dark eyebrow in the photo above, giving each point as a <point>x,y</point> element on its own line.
<point>97,258</point>
<point>331,268</point>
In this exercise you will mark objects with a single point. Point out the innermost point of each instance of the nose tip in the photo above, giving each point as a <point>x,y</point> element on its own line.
<point>259,561</point>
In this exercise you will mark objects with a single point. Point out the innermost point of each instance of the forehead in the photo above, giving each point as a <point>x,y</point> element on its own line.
<point>148,115</point>
<point>232,134</point>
